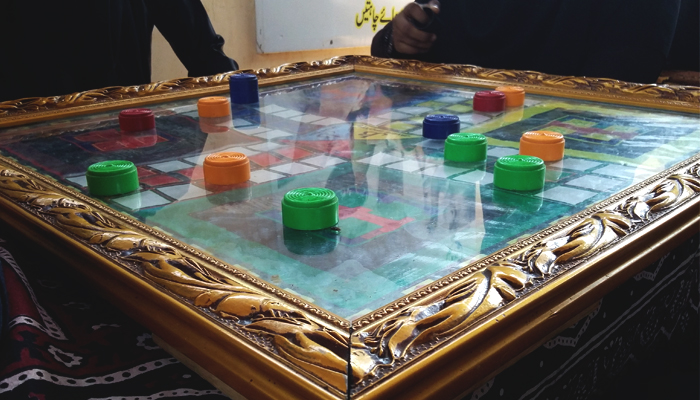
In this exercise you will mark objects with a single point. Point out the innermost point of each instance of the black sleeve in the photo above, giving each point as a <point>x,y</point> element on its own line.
<point>381,43</point>
<point>186,26</point>
<point>632,40</point>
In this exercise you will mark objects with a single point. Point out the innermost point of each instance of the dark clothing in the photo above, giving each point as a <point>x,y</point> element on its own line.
<point>622,39</point>
<point>59,47</point>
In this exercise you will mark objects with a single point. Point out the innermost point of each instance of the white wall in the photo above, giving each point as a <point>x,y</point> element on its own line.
<point>297,25</point>
<point>235,21</point>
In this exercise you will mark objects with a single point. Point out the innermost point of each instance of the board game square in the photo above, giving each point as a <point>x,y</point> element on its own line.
<point>194,173</point>
<point>266,159</point>
<point>170,166</point>
<point>393,116</point>
<point>274,134</point>
<point>400,126</point>
<point>458,108</point>
<point>272,108</point>
<point>352,228</point>
<point>159,180</point>
<point>293,168</point>
<point>99,136</point>
<point>239,123</point>
<point>288,113</point>
<point>374,121</point>
<point>252,131</point>
<point>293,153</point>
<point>623,171</point>
<point>598,183</point>
<point>380,159</point>
<point>477,118</point>
<point>307,118</point>
<point>323,161</point>
<point>109,146</point>
<point>268,146</point>
<point>242,150</point>
<point>329,121</point>
<point>261,176</point>
<point>414,110</point>
<point>578,164</point>
<point>409,165</point>
<point>432,144</point>
<point>183,192</point>
<point>450,99</point>
<point>443,171</point>
<point>434,105</point>
<point>141,200</point>
<point>482,177</point>
<point>567,195</point>
<point>501,152</point>
<point>79,180</point>
<point>144,172</point>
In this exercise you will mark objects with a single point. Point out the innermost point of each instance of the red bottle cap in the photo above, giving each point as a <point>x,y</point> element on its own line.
<point>489,101</point>
<point>136,119</point>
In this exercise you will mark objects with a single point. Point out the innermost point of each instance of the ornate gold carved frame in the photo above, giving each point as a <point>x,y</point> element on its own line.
<point>437,342</point>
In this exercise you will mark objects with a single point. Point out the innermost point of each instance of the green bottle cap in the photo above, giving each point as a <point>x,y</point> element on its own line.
<point>521,173</point>
<point>465,147</point>
<point>110,178</point>
<point>310,209</point>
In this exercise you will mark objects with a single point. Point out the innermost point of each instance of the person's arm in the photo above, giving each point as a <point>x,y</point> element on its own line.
<point>186,26</point>
<point>403,36</point>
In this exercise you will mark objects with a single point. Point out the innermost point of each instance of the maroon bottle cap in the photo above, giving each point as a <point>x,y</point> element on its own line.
<point>489,101</point>
<point>136,119</point>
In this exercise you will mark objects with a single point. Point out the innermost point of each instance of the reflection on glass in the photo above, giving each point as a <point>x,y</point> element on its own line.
<point>524,202</point>
<point>140,139</point>
<point>214,125</point>
<point>309,243</point>
<point>407,217</point>
<point>554,170</point>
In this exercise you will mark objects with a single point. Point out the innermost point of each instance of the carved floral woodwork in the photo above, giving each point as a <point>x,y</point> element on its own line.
<point>293,335</point>
<point>419,328</point>
<point>314,342</point>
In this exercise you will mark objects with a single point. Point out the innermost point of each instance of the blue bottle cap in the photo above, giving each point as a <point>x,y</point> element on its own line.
<point>440,126</point>
<point>244,88</point>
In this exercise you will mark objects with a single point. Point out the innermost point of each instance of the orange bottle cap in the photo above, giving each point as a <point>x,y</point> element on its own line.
<point>515,95</point>
<point>215,106</point>
<point>227,168</point>
<point>547,145</point>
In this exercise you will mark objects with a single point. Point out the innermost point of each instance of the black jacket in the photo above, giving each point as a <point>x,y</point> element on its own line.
<point>55,47</point>
<point>624,39</point>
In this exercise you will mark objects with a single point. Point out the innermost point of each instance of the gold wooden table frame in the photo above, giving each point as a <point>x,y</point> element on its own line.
<point>439,342</point>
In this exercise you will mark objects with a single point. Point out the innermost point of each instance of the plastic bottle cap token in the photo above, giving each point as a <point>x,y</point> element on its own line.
<point>136,119</point>
<point>110,178</point>
<point>465,147</point>
<point>440,126</point>
<point>489,101</point>
<point>227,168</point>
<point>518,172</point>
<point>212,107</point>
<point>309,209</point>
<point>243,88</point>
<point>515,95</point>
<point>547,145</point>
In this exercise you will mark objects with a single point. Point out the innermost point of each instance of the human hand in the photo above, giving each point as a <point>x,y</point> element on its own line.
<point>407,38</point>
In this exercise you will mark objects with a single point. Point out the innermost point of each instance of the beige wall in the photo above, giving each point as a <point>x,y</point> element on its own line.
<point>235,21</point>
